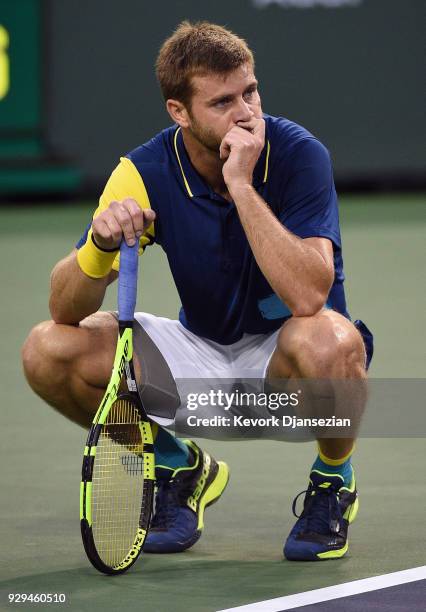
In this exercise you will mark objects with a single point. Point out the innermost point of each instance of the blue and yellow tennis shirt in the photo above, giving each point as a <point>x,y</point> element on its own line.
<point>223,292</point>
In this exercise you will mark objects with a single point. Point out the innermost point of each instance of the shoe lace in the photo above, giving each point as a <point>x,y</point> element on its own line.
<point>321,509</point>
<point>170,496</point>
<point>166,505</point>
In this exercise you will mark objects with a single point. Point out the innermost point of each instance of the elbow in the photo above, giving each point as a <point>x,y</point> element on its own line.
<point>53,302</point>
<point>313,296</point>
<point>61,312</point>
<point>55,312</point>
<point>61,306</point>
<point>54,305</point>
<point>311,305</point>
<point>62,315</point>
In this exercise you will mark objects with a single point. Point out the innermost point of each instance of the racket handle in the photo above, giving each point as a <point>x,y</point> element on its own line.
<point>127,281</point>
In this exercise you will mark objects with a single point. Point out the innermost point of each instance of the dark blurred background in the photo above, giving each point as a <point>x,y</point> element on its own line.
<point>78,89</point>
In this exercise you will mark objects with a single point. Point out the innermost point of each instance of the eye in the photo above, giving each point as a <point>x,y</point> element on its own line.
<point>223,102</point>
<point>250,93</point>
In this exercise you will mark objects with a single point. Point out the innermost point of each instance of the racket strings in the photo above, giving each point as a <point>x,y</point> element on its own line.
<point>117,483</point>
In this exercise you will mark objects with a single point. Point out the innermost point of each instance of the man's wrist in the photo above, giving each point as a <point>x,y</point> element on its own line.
<point>93,261</point>
<point>239,190</point>
<point>114,250</point>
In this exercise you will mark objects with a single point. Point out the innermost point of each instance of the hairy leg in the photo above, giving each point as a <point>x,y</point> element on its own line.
<point>70,366</point>
<point>325,346</point>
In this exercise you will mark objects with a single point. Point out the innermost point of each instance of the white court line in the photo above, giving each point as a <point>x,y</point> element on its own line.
<point>334,592</point>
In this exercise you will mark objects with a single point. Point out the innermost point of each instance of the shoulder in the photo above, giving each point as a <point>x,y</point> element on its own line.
<point>154,150</point>
<point>292,144</point>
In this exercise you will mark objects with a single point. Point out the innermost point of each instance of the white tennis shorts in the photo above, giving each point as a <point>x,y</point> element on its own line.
<point>190,356</point>
<point>200,365</point>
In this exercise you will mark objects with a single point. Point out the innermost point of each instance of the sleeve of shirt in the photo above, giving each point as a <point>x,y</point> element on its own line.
<point>124,182</point>
<point>309,200</point>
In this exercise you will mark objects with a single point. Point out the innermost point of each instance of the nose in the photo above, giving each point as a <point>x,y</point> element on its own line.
<point>242,111</point>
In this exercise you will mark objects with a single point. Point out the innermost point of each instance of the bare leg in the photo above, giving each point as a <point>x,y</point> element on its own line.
<point>325,346</point>
<point>70,366</point>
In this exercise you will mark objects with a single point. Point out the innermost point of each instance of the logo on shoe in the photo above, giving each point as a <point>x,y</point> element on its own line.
<point>193,499</point>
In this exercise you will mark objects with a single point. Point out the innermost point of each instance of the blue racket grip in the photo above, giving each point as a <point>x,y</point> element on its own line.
<point>127,281</point>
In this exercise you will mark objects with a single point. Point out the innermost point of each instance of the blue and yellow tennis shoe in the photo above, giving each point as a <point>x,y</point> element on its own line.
<point>180,501</point>
<point>321,531</point>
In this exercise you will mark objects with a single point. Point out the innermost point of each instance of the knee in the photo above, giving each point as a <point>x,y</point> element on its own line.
<point>42,352</point>
<point>324,346</point>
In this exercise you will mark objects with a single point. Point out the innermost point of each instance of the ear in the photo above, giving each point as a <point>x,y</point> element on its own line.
<point>178,113</point>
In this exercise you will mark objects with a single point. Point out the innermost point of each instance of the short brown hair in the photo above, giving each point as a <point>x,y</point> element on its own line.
<point>198,48</point>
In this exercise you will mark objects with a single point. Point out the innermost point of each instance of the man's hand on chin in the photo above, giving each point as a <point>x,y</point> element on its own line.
<point>241,147</point>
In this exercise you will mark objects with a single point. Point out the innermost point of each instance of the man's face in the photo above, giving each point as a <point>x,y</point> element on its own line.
<point>219,102</point>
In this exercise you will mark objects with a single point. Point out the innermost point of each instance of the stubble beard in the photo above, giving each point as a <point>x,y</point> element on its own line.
<point>205,136</point>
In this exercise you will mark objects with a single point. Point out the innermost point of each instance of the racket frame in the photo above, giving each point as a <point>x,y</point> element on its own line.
<point>122,370</point>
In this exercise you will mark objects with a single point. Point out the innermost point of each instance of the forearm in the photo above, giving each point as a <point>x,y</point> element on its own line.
<point>297,272</point>
<point>73,294</point>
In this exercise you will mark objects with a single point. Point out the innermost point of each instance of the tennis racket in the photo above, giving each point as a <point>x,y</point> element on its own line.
<point>116,491</point>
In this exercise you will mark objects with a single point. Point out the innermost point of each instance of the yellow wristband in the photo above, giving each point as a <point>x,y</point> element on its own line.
<point>93,261</point>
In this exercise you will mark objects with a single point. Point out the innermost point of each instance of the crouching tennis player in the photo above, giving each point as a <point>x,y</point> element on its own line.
<point>244,206</point>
